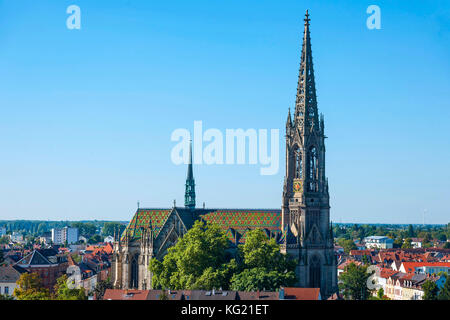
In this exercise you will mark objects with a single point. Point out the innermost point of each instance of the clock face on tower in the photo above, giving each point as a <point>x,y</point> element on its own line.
<point>297,186</point>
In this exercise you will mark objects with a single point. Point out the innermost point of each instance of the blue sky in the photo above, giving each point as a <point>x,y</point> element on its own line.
<point>86,115</point>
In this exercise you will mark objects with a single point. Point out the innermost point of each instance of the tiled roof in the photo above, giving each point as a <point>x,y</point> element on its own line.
<point>259,295</point>
<point>116,294</point>
<point>10,274</point>
<point>302,293</point>
<point>234,222</point>
<point>34,258</point>
<point>145,219</point>
<point>410,266</point>
<point>237,222</point>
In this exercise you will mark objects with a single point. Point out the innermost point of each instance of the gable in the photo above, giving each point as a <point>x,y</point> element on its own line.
<point>143,219</point>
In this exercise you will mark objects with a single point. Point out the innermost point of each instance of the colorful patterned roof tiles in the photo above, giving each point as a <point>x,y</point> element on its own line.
<point>234,222</point>
<point>145,219</point>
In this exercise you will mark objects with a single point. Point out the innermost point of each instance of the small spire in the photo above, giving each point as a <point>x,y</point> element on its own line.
<point>289,119</point>
<point>189,195</point>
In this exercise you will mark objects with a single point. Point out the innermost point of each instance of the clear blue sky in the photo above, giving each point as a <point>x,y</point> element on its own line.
<point>86,115</point>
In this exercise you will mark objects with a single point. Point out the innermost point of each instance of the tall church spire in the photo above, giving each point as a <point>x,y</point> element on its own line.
<point>189,196</point>
<point>306,100</point>
<point>306,205</point>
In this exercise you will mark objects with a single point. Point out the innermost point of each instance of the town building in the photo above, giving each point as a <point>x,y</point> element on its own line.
<point>9,275</point>
<point>46,263</point>
<point>63,235</point>
<point>16,237</point>
<point>425,267</point>
<point>380,242</point>
<point>302,226</point>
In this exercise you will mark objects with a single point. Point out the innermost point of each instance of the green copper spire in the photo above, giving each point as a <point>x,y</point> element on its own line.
<point>189,196</point>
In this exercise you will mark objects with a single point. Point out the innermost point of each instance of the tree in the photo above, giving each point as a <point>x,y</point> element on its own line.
<point>110,228</point>
<point>95,239</point>
<point>411,232</point>
<point>354,282</point>
<point>444,293</point>
<point>86,230</point>
<point>264,266</point>
<point>101,287</point>
<point>30,288</point>
<point>261,279</point>
<point>348,245</point>
<point>63,292</point>
<point>407,244</point>
<point>197,260</point>
<point>430,290</point>
<point>447,245</point>
<point>6,297</point>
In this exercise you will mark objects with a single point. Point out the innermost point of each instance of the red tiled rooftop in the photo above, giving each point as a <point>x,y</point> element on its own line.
<point>116,294</point>
<point>302,293</point>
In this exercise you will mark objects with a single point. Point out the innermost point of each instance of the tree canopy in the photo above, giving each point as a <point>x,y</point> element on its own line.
<point>63,292</point>
<point>262,265</point>
<point>354,282</point>
<point>197,260</point>
<point>30,288</point>
<point>201,259</point>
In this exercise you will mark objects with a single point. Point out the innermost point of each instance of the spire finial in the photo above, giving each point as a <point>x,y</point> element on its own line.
<point>307,20</point>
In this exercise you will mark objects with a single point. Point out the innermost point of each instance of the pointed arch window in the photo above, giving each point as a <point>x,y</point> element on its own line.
<point>314,272</point>
<point>134,279</point>
<point>313,169</point>
<point>298,164</point>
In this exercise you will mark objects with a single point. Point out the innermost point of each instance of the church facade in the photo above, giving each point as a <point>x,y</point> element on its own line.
<point>302,226</point>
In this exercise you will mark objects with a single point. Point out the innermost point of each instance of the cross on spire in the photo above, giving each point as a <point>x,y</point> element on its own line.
<point>307,20</point>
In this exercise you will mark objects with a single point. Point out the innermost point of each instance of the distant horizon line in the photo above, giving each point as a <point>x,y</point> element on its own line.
<point>127,221</point>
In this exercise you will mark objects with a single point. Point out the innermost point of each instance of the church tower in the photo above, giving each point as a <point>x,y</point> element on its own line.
<point>189,195</point>
<point>306,208</point>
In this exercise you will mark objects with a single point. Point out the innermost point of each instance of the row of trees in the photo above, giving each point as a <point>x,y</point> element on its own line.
<point>86,229</point>
<point>201,260</point>
<point>396,232</point>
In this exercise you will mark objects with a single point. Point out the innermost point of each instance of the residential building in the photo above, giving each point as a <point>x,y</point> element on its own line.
<point>9,275</point>
<point>416,242</point>
<point>63,235</point>
<point>16,237</point>
<point>47,263</point>
<point>109,239</point>
<point>380,242</point>
<point>425,267</point>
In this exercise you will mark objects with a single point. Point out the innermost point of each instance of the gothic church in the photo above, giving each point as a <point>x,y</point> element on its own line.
<point>302,226</point>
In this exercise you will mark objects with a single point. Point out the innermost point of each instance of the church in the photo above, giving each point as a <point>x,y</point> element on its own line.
<point>302,226</point>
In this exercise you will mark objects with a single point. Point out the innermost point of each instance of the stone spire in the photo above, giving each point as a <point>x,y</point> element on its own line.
<point>306,100</point>
<point>189,196</point>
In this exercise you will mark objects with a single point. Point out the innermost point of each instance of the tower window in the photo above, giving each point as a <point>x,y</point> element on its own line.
<point>313,173</point>
<point>298,164</point>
